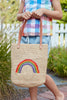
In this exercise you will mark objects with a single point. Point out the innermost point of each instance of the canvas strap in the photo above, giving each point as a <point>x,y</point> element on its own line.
<point>23,26</point>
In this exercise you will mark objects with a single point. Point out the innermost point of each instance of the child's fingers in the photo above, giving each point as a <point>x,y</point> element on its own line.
<point>23,15</point>
<point>36,15</point>
<point>29,13</point>
<point>26,15</point>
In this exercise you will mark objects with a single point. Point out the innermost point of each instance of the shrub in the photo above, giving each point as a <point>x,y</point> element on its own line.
<point>6,87</point>
<point>57,61</point>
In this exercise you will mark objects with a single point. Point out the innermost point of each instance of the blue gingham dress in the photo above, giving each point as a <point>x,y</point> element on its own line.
<point>32,27</point>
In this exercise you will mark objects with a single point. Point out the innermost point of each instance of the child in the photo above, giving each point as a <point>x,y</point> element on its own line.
<point>36,9</point>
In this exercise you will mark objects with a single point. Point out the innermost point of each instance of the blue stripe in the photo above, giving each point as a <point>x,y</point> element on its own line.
<point>31,1</point>
<point>39,1</point>
<point>36,29</point>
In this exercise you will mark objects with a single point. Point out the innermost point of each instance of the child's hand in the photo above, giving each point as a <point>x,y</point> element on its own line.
<point>26,15</point>
<point>38,13</point>
<point>19,17</point>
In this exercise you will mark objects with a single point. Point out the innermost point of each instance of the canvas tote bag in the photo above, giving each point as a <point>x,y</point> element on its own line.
<point>29,63</point>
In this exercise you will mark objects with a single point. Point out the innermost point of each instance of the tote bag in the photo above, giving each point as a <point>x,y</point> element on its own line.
<point>29,63</point>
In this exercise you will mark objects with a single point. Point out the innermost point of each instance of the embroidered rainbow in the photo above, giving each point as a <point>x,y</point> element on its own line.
<point>27,62</point>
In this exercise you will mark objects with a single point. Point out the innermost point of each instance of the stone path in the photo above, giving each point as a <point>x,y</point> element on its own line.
<point>47,95</point>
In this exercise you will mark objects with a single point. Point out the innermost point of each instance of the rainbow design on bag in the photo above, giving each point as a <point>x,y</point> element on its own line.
<point>27,62</point>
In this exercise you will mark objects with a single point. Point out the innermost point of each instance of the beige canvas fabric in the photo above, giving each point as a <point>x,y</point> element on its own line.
<point>28,67</point>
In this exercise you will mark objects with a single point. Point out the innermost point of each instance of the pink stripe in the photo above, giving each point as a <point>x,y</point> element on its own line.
<point>44,26</point>
<point>32,25</point>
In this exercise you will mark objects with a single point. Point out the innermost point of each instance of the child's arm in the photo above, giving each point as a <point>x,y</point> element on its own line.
<point>55,14</point>
<point>20,11</point>
<point>23,16</point>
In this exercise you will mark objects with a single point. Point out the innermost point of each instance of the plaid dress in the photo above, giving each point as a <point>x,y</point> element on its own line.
<point>32,27</point>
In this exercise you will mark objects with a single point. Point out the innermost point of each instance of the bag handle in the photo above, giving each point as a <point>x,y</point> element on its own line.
<point>40,33</point>
<point>21,32</point>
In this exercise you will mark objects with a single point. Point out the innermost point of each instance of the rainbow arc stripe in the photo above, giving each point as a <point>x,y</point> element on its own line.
<point>29,62</point>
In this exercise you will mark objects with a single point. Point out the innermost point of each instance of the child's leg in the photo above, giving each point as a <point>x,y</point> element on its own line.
<point>49,81</point>
<point>33,93</point>
<point>52,86</point>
